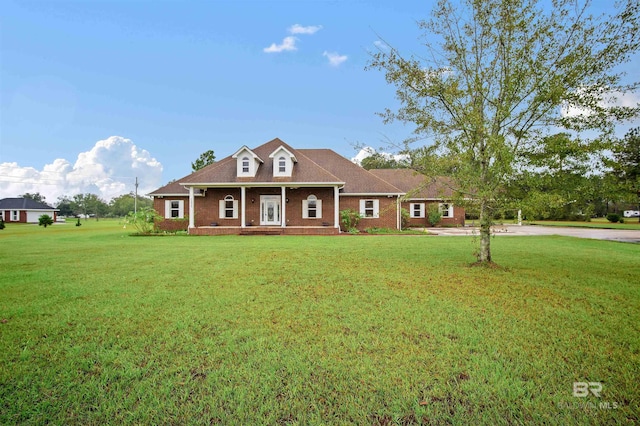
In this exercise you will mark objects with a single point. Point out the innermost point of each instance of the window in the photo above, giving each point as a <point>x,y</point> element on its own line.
<point>417,210</point>
<point>370,208</point>
<point>15,215</point>
<point>174,209</point>
<point>311,208</point>
<point>446,210</point>
<point>228,208</point>
<point>282,165</point>
<point>245,165</point>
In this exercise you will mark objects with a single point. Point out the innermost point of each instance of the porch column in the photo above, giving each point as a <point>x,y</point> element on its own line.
<point>243,206</point>
<point>191,208</point>
<point>336,207</point>
<point>283,217</point>
<point>398,214</point>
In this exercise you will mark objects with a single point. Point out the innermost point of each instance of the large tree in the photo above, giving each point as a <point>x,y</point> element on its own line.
<point>499,74</point>
<point>626,164</point>
<point>204,160</point>
<point>36,196</point>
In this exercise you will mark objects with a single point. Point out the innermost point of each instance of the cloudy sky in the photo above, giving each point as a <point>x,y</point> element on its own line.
<point>95,94</point>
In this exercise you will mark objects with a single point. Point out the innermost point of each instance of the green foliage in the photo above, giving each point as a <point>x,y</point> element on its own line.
<point>494,80</point>
<point>45,220</point>
<point>613,217</point>
<point>434,214</point>
<point>404,218</point>
<point>35,197</point>
<point>382,161</point>
<point>205,159</point>
<point>78,222</point>
<point>350,219</point>
<point>2,225</point>
<point>122,205</point>
<point>144,220</point>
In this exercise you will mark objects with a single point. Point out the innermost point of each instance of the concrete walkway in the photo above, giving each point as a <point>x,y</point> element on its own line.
<point>624,235</point>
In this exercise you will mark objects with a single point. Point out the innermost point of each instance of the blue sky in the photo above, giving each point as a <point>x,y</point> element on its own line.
<point>175,79</point>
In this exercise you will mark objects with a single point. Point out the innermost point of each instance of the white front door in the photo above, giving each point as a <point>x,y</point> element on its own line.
<point>270,210</point>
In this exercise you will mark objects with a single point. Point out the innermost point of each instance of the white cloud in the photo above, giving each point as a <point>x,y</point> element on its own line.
<point>108,170</point>
<point>299,29</point>
<point>288,43</point>
<point>381,45</point>
<point>368,151</point>
<point>335,59</point>
<point>609,99</point>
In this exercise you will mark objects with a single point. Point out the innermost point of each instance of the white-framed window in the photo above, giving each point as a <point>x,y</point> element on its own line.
<point>15,215</point>
<point>282,165</point>
<point>312,208</point>
<point>370,208</point>
<point>228,208</point>
<point>416,210</point>
<point>245,164</point>
<point>446,209</point>
<point>174,209</point>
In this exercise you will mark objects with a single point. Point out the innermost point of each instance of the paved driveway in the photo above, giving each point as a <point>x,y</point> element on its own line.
<point>625,235</point>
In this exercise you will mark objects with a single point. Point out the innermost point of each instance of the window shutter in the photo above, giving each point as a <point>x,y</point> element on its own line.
<point>376,208</point>
<point>450,210</point>
<point>305,209</point>
<point>362,204</point>
<point>221,205</point>
<point>235,209</point>
<point>181,209</point>
<point>167,209</point>
<point>319,209</point>
<point>422,212</point>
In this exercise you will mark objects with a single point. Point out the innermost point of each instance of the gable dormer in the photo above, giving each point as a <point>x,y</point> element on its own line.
<point>283,161</point>
<point>247,162</point>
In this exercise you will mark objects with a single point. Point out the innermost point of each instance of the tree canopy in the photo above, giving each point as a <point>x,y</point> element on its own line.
<point>499,76</point>
<point>203,160</point>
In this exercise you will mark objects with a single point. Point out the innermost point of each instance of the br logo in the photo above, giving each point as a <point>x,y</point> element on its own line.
<point>582,389</point>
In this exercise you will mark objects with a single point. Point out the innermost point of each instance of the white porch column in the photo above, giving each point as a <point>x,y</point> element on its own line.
<point>283,218</point>
<point>192,208</point>
<point>336,207</point>
<point>243,206</point>
<point>398,214</point>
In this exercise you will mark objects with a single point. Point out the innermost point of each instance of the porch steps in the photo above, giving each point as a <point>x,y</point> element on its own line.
<point>262,231</point>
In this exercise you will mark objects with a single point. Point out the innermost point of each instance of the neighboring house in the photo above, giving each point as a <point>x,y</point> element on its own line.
<point>24,210</point>
<point>420,193</point>
<point>275,188</point>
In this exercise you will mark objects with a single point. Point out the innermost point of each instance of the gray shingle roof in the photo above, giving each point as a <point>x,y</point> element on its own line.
<point>20,203</point>
<point>416,185</point>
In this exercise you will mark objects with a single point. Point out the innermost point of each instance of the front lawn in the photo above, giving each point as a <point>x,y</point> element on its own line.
<point>97,326</point>
<point>629,223</point>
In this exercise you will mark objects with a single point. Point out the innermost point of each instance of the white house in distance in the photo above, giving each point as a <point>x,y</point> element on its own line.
<point>24,210</point>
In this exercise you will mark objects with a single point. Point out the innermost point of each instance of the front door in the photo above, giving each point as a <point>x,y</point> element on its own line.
<point>270,210</point>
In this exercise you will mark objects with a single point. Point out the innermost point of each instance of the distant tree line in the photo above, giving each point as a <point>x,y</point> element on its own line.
<point>91,205</point>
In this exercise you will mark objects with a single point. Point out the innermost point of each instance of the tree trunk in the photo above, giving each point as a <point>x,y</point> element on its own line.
<point>484,255</point>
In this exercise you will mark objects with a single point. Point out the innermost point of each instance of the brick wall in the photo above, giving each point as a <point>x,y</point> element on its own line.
<point>415,222</point>
<point>388,211</point>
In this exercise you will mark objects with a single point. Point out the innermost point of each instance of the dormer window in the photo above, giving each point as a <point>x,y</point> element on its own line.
<point>247,162</point>
<point>283,161</point>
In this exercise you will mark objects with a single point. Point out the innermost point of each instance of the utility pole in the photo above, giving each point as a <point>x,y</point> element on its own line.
<point>135,200</point>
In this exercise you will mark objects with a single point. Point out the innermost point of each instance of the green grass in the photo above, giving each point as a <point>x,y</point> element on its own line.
<point>629,223</point>
<point>97,326</point>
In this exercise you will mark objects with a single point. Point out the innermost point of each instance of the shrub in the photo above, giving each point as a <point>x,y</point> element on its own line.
<point>45,220</point>
<point>350,219</point>
<point>434,214</point>
<point>78,222</point>
<point>2,225</point>
<point>621,220</point>
<point>404,218</point>
<point>613,217</point>
<point>144,220</point>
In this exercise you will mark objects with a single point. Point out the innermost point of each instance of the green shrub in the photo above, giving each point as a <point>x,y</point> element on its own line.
<point>350,219</point>
<point>144,220</point>
<point>2,225</point>
<point>434,214</point>
<point>404,218</point>
<point>78,222</point>
<point>45,220</point>
<point>621,220</point>
<point>613,217</point>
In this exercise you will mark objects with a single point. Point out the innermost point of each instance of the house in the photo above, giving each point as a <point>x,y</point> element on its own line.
<point>24,210</point>
<point>275,188</point>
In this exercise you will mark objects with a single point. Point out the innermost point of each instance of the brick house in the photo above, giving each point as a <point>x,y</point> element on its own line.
<point>25,210</point>
<point>277,189</point>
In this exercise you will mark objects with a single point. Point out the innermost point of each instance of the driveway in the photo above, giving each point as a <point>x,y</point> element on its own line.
<point>624,235</point>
